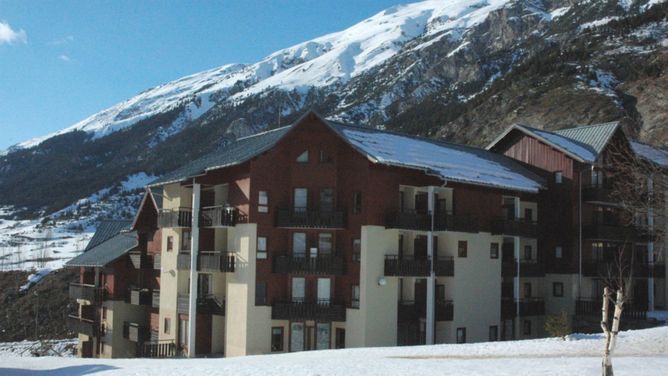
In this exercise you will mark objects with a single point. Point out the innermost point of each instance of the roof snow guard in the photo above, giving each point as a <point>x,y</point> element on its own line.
<point>450,162</point>
<point>583,144</point>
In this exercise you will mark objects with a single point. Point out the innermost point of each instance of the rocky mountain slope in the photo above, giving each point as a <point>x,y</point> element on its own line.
<point>455,69</point>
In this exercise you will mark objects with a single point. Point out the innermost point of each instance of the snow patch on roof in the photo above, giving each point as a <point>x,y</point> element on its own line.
<point>651,153</point>
<point>582,151</point>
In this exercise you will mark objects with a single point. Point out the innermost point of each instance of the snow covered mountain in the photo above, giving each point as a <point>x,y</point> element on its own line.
<point>455,69</point>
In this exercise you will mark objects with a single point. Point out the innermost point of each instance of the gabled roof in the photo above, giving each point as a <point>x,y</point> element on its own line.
<point>106,230</point>
<point>107,251</point>
<point>448,161</point>
<point>239,151</point>
<point>658,156</point>
<point>583,144</point>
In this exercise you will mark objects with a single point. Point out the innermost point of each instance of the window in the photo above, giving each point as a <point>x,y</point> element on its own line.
<point>263,202</point>
<point>461,335</point>
<point>557,289</point>
<point>303,157</point>
<point>261,293</point>
<point>558,177</point>
<point>170,243</point>
<point>340,338</point>
<point>298,289</point>
<point>357,249</point>
<point>327,200</point>
<point>261,248</point>
<point>324,290</point>
<point>357,202</point>
<point>528,215</point>
<point>440,293</point>
<point>300,199</point>
<point>597,251</point>
<point>299,244</point>
<point>167,323</point>
<point>527,327</point>
<point>185,240</point>
<point>528,254</point>
<point>183,333</point>
<point>527,290</point>
<point>462,248</point>
<point>494,250</point>
<point>493,333</point>
<point>296,336</point>
<point>204,285</point>
<point>277,339</point>
<point>558,252</point>
<point>325,157</point>
<point>322,336</point>
<point>325,244</point>
<point>355,303</point>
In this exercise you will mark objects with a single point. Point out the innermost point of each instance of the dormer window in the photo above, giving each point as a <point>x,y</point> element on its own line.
<point>558,177</point>
<point>303,157</point>
<point>325,157</point>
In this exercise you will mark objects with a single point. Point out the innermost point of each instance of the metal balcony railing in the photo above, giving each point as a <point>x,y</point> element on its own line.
<point>175,218</point>
<point>303,264</point>
<point>322,310</point>
<point>407,266</point>
<point>219,216</point>
<point>309,218</point>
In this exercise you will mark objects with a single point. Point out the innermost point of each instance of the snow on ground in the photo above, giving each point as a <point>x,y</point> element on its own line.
<point>56,348</point>
<point>48,242</point>
<point>640,352</point>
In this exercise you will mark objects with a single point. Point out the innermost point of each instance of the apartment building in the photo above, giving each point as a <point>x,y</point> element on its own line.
<point>323,235</point>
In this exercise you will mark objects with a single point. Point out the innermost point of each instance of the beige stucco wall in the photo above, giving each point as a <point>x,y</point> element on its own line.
<point>115,346</point>
<point>475,289</point>
<point>375,322</point>
<point>554,305</point>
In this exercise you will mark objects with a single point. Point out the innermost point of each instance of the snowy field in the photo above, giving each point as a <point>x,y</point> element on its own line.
<point>641,352</point>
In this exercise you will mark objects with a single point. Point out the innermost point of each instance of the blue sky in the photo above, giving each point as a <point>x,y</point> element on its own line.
<point>61,61</point>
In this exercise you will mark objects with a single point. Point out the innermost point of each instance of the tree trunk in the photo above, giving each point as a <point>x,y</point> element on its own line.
<point>605,309</point>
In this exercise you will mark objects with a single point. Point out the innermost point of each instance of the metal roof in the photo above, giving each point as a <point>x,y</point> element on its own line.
<point>499,171</point>
<point>241,150</point>
<point>107,251</point>
<point>106,230</point>
<point>595,136</point>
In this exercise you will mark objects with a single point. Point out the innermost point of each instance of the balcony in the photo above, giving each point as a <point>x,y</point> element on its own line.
<point>219,216</point>
<point>175,218</point>
<point>515,227</point>
<point>608,232</point>
<point>306,218</point>
<point>528,307</point>
<point>444,310</point>
<point>322,310</point>
<point>458,222</point>
<point>406,266</point>
<point>208,261</point>
<point>158,349</point>
<point>155,299</point>
<point>596,193</point>
<point>80,291</point>
<point>140,296</point>
<point>321,264</point>
<point>407,219</point>
<point>445,266</point>
<point>593,307</point>
<point>82,325</point>
<point>528,268</point>
<point>206,304</point>
<point>134,332</point>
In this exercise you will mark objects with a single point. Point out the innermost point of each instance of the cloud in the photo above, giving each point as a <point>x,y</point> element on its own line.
<point>10,36</point>
<point>61,41</point>
<point>65,58</point>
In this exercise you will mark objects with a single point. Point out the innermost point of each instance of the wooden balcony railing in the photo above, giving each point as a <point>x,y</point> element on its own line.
<point>595,193</point>
<point>528,307</point>
<point>208,261</point>
<point>320,264</point>
<point>407,266</point>
<point>407,219</point>
<point>207,304</point>
<point>82,325</point>
<point>445,266</point>
<point>134,332</point>
<point>139,296</point>
<point>308,218</point>
<point>515,227</point>
<point>592,307</point>
<point>444,310</point>
<point>528,268</point>
<point>219,216</point>
<point>174,218</point>
<point>409,310</point>
<point>608,232</point>
<point>80,291</point>
<point>323,310</point>
<point>158,349</point>
<point>446,221</point>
